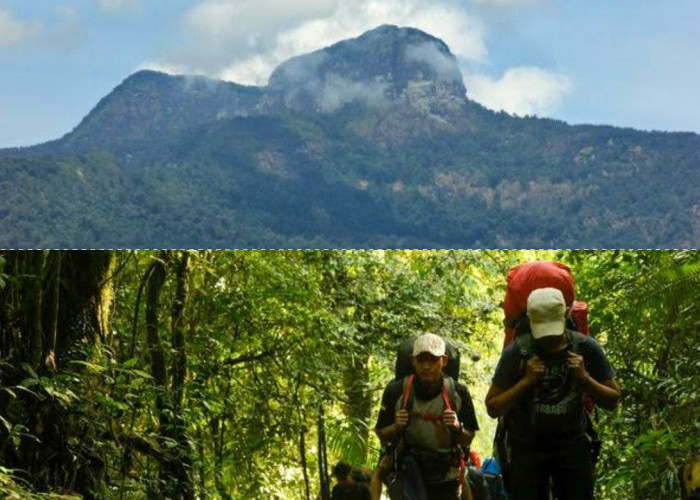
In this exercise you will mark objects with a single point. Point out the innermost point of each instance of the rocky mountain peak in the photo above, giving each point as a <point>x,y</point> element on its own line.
<point>386,66</point>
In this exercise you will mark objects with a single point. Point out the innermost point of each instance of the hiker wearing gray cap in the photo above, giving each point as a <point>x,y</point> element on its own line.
<point>429,417</point>
<point>538,387</point>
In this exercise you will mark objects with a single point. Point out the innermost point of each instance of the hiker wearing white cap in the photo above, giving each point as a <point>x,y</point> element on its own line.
<point>538,387</point>
<point>429,417</point>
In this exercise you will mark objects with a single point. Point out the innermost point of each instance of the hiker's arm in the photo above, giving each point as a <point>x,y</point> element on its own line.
<point>467,491</point>
<point>466,438</point>
<point>386,433</point>
<point>466,417</point>
<point>498,401</point>
<point>388,425</point>
<point>606,394</point>
<point>394,429</point>
<point>462,435</point>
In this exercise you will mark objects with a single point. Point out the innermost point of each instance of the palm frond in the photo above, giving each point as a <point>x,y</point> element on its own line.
<point>346,441</point>
<point>672,288</point>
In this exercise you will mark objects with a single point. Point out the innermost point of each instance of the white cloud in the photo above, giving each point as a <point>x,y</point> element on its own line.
<point>14,31</point>
<point>251,71</point>
<point>163,67</point>
<point>245,40</point>
<point>522,90</point>
<point>338,91</point>
<point>430,54</point>
<point>249,25</point>
<point>463,33</point>
<point>117,6</point>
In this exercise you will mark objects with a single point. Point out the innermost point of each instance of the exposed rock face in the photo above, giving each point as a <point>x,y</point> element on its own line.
<point>401,71</point>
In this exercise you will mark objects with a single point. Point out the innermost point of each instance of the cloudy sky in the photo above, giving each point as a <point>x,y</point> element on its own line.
<point>631,63</point>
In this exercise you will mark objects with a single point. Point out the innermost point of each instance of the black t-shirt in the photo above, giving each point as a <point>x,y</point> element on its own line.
<point>393,392</point>
<point>551,412</point>
<point>353,491</point>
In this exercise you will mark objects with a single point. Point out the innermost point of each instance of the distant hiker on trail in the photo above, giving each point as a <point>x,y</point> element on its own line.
<point>347,488</point>
<point>539,389</point>
<point>427,419</point>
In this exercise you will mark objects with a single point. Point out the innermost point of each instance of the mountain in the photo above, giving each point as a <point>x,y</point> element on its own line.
<point>390,70</point>
<point>371,142</point>
<point>150,103</point>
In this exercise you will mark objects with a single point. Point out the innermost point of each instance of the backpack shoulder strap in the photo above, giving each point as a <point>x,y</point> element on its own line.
<point>576,339</point>
<point>525,345</point>
<point>406,400</point>
<point>449,393</point>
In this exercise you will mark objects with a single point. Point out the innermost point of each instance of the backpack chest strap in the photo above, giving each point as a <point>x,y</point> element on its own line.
<point>407,399</point>
<point>432,417</point>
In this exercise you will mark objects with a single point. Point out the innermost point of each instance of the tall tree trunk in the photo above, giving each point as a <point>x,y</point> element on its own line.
<point>178,329</point>
<point>219,424</point>
<point>302,456</point>
<point>202,465</point>
<point>85,300</point>
<point>153,288</point>
<point>179,370</point>
<point>35,332</point>
<point>322,456</point>
<point>54,303</point>
<point>155,283</point>
<point>175,474</point>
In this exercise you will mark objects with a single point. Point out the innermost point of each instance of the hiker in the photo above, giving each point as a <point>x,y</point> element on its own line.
<point>478,487</point>
<point>347,488</point>
<point>429,420</point>
<point>492,473</point>
<point>541,398</point>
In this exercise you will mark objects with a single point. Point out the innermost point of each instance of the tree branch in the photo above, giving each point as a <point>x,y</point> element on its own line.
<point>250,357</point>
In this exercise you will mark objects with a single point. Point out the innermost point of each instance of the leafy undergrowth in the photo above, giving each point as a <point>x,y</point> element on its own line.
<point>12,488</point>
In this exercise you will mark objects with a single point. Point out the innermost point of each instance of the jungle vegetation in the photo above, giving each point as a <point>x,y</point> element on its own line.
<point>247,374</point>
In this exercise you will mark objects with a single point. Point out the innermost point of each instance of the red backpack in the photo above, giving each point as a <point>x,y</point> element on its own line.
<point>525,278</point>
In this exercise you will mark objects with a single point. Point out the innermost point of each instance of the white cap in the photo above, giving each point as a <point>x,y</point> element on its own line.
<point>429,342</point>
<point>546,310</point>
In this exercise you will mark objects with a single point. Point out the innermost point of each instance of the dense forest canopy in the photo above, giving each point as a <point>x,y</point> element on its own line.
<point>244,374</point>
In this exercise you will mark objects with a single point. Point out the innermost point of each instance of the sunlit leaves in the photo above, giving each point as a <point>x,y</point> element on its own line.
<point>644,307</point>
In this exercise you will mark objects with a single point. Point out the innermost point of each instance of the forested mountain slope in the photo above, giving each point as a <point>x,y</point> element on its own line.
<point>371,142</point>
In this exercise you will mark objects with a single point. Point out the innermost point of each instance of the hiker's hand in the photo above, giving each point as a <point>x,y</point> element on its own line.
<point>450,419</point>
<point>534,370</point>
<point>401,420</point>
<point>577,367</point>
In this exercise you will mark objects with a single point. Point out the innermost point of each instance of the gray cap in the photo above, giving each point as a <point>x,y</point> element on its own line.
<point>431,343</point>
<point>546,309</point>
